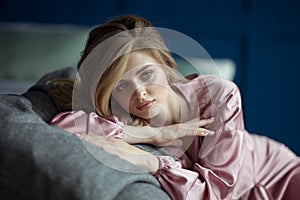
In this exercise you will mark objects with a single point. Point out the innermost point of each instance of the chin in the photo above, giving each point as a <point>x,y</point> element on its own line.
<point>151,113</point>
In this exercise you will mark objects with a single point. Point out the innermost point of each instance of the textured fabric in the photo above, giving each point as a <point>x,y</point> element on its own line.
<point>39,161</point>
<point>43,103</point>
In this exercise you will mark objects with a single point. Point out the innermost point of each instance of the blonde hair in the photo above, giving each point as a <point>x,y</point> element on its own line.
<point>137,39</point>
<point>106,106</point>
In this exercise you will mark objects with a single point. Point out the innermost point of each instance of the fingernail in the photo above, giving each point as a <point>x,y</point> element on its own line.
<point>211,132</point>
<point>204,133</point>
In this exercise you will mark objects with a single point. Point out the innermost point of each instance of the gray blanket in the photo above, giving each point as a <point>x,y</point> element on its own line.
<point>38,161</point>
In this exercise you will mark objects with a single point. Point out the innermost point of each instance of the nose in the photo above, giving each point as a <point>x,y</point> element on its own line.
<point>140,93</point>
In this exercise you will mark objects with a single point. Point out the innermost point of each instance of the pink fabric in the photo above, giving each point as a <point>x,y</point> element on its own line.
<point>231,164</point>
<point>79,122</point>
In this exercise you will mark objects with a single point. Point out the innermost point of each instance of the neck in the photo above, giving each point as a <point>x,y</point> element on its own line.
<point>180,109</point>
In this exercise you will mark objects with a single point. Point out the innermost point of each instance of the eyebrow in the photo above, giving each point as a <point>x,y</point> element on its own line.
<point>146,66</point>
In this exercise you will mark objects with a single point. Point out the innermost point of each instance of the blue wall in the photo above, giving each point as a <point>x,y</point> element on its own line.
<point>261,36</point>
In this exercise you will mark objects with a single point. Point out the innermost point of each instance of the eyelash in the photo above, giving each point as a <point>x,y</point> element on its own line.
<point>122,86</point>
<point>144,75</point>
<point>147,74</point>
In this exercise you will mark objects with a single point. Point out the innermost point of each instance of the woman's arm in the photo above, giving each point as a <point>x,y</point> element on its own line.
<point>81,123</point>
<point>163,136</point>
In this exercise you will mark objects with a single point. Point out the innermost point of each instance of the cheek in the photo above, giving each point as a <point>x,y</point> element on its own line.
<point>153,90</point>
<point>159,92</point>
<point>123,101</point>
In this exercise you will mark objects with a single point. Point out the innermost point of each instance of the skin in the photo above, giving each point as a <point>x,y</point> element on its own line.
<point>144,91</point>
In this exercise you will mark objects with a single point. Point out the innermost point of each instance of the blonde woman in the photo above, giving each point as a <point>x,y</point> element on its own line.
<point>128,92</point>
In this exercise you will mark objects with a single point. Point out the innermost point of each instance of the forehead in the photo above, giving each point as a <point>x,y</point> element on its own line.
<point>139,58</point>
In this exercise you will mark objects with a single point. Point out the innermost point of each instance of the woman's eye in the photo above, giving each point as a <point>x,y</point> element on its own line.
<point>146,75</point>
<point>122,86</point>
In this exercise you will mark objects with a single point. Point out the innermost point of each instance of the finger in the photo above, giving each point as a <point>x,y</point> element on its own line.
<point>110,149</point>
<point>98,140</point>
<point>204,132</point>
<point>204,122</point>
<point>198,123</point>
<point>198,132</point>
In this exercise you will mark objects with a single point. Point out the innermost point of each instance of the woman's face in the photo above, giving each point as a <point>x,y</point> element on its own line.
<point>143,88</point>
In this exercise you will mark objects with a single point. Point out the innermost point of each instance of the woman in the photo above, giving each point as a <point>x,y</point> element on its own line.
<point>133,95</point>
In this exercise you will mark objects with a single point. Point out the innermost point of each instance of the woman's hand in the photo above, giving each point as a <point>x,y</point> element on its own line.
<point>168,135</point>
<point>172,135</point>
<point>125,151</point>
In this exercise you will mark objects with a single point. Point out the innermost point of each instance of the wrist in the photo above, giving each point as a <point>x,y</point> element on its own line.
<point>144,134</point>
<point>152,163</point>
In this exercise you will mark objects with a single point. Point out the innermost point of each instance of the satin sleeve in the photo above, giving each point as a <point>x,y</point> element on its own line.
<point>178,182</point>
<point>217,161</point>
<point>79,122</point>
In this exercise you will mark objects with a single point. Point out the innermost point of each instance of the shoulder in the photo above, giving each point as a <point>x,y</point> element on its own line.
<point>211,79</point>
<point>213,83</point>
<point>212,88</point>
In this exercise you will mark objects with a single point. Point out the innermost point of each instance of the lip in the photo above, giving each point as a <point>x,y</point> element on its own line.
<point>145,105</point>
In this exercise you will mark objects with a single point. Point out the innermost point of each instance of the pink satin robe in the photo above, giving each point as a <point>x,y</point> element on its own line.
<point>231,164</point>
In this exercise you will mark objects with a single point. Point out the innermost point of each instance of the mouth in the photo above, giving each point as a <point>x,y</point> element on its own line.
<point>145,105</point>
